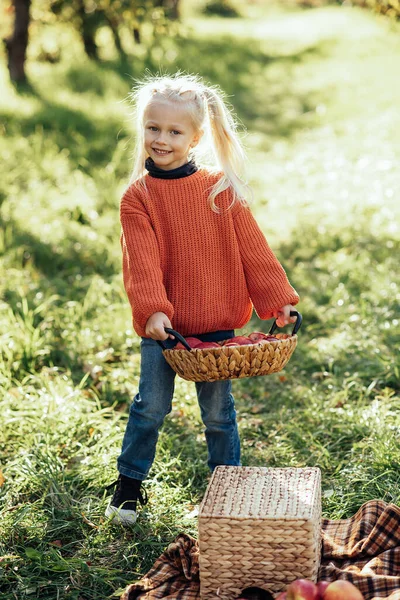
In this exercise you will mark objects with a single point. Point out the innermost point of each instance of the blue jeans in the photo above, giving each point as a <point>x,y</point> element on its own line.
<point>154,401</point>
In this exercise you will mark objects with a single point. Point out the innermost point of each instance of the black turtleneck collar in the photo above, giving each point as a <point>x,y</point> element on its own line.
<point>188,169</point>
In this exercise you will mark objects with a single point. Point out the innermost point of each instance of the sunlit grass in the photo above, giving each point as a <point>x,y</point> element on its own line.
<point>317,93</point>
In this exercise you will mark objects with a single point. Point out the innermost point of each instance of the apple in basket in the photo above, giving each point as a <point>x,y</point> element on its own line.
<point>205,345</point>
<point>239,340</point>
<point>192,341</point>
<point>197,344</point>
<point>259,336</point>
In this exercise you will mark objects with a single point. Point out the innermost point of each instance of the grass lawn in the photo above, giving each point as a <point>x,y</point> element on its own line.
<point>317,91</point>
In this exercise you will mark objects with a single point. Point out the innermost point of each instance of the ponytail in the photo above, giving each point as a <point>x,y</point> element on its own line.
<point>228,150</point>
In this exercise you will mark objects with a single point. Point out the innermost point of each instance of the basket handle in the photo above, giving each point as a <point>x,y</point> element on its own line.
<point>175,334</point>
<point>297,325</point>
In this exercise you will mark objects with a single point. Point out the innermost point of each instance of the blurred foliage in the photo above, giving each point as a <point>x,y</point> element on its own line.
<point>88,16</point>
<point>390,8</point>
<point>221,8</point>
<point>131,22</point>
<point>133,13</point>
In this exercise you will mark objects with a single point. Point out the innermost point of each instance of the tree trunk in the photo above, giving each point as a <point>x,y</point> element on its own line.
<point>171,8</point>
<point>17,44</point>
<point>88,30</point>
<point>174,10</point>
<point>113,24</point>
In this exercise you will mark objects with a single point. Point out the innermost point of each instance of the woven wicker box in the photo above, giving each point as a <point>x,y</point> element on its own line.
<point>259,527</point>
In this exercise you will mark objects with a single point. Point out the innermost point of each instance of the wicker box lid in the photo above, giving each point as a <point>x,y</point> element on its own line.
<point>263,493</point>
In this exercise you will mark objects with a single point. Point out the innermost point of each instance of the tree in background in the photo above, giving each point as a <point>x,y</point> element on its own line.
<point>390,8</point>
<point>87,16</point>
<point>171,8</point>
<point>17,43</point>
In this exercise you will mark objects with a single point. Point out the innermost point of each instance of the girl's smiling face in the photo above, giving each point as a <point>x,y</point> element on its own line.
<point>169,134</point>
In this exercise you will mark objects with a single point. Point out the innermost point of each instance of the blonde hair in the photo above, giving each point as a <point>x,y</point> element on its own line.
<point>209,114</point>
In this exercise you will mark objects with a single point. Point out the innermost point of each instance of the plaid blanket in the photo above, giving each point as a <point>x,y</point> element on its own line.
<point>364,549</point>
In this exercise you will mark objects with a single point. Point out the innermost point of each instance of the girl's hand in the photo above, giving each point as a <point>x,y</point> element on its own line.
<point>282,315</point>
<point>155,326</point>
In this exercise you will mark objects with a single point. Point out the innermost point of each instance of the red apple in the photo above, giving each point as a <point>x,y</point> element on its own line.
<point>207,345</point>
<point>322,585</point>
<point>342,590</point>
<point>239,340</point>
<point>242,340</point>
<point>257,336</point>
<point>282,596</point>
<point>302,589</point>
<point>192,341</point>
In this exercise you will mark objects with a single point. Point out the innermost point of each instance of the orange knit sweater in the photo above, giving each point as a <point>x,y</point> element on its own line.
<point>204,270</point>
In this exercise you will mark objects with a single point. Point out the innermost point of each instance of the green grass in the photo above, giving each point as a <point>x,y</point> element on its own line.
<point>317,92</point>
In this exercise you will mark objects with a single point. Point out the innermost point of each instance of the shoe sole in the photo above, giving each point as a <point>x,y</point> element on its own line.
<point>121,516</point>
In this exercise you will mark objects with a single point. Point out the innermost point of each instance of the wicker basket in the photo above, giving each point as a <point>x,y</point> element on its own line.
<point>259,527</point>
<point>233,362</point>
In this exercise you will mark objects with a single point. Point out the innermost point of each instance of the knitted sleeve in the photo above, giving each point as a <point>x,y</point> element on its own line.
<point>268,286</point>
<point>143,277</point>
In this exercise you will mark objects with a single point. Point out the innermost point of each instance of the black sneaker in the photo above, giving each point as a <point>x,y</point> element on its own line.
<point>122,506</point>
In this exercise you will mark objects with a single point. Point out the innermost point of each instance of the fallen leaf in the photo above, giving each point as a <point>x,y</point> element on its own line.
<point>88,522</point>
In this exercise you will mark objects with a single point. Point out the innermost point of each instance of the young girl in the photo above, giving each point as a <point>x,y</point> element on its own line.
<point>194,259</point>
